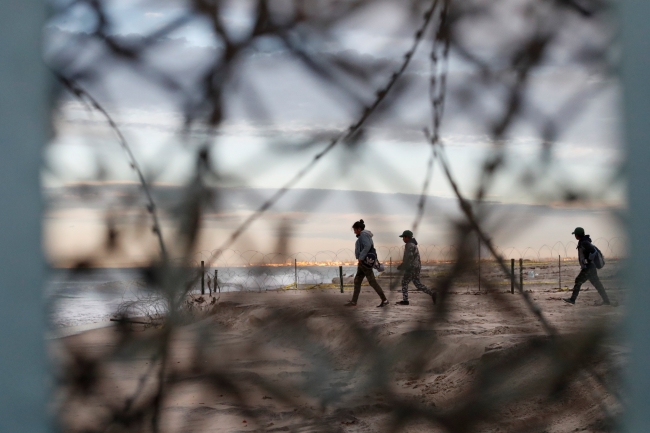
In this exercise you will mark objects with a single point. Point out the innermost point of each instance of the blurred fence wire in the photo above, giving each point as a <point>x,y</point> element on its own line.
<point>485,66</point>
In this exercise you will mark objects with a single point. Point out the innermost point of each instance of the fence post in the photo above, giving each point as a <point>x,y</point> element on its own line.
<point>216,281</point>
<point>521,274</point>
<point>636,32</point>
<point>479,264</point>
<point>295,272</point>
<point>559,271</point>
<point>512,276</point>
<point>341,277</point>
<point>24,115</point>
<point>390,273</point>
<point>202,277</point>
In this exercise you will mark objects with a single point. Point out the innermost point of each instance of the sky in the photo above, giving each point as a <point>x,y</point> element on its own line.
<point>315,220</point>
<point>262,152</point>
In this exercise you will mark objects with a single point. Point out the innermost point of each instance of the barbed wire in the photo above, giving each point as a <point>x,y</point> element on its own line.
<point>613,248</point>
<point>253,270</point>
<point>506,74</point>
<point>151,207</point>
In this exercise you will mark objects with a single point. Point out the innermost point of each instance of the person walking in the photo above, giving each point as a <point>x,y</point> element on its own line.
<point>588,270</point>
<point>364,251</point>
<point>411,265</point>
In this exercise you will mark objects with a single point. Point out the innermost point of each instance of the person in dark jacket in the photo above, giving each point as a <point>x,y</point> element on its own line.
<point>588,271</point>
<point>411,265</point>
<point>364,251</point>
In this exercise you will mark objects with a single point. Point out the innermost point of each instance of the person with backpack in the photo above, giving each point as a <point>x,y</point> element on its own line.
<point>411,265</point>
<point>364,251</point>
<point>591,259</point>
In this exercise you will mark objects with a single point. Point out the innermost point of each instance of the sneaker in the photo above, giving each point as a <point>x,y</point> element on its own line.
<point>383,303</point>
<point>402,303</point>
<point>350,304</point>
<point>569,301</point>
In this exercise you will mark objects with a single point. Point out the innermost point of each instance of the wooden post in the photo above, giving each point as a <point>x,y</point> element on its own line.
<point>295,272</point>
<point>202,277</point>
<point>512,276</point>
<point>341,277</point>
<point>521,274</point>
<point>559,272</point>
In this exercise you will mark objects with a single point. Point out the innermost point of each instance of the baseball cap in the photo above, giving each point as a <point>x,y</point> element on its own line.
<point>407,234</point>
<point>579,231</point>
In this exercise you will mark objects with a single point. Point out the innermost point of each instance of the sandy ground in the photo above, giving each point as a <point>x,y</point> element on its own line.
<point>240,343</point>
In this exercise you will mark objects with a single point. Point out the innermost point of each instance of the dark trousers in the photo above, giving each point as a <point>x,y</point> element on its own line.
<point>590,274</point>
<point>363,272</point>
<point>413,275</point>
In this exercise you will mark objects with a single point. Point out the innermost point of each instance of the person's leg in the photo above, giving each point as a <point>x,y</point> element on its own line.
<point>425,289</point>
<point>593,279</point>
<point>580,280</point>
<point>417,283</point>
<point>373,282</point>
<point>358,279</point>
<point>406,279</point>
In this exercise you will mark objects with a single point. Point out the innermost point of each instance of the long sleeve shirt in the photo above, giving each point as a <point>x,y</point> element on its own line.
<point>411,258</point>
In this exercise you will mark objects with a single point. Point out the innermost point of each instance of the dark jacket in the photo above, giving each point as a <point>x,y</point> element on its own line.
<point>586,252</point>
<point>411,259</point>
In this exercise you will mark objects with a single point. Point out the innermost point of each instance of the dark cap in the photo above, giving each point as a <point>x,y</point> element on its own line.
<point>406,234</point>
<point>579,231</point>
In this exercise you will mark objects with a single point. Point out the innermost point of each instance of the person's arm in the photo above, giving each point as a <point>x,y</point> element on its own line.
<point>581,256</point>
<point>408,257</point>
<point>590,251</point>
<point>367,244</point>
<point>586,251</point>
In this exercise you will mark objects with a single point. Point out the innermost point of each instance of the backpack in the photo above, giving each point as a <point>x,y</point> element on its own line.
<point>371,260</point>
<point>597,258</point>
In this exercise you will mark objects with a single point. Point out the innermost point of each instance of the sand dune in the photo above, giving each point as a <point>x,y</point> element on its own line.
<point>308,345</point>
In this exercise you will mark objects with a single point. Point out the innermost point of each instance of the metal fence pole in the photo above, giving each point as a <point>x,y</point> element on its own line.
<point>559,272</point>
<point>295,272</point>
<point>521,274</point>
<point>341,277</point>
<point>636,97</point>
<point>512,276</point>
<point>216,281</point>
<point>479,264</point>
<point>390,273</point>
<point>202,277</point>
<point>24,101</point>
